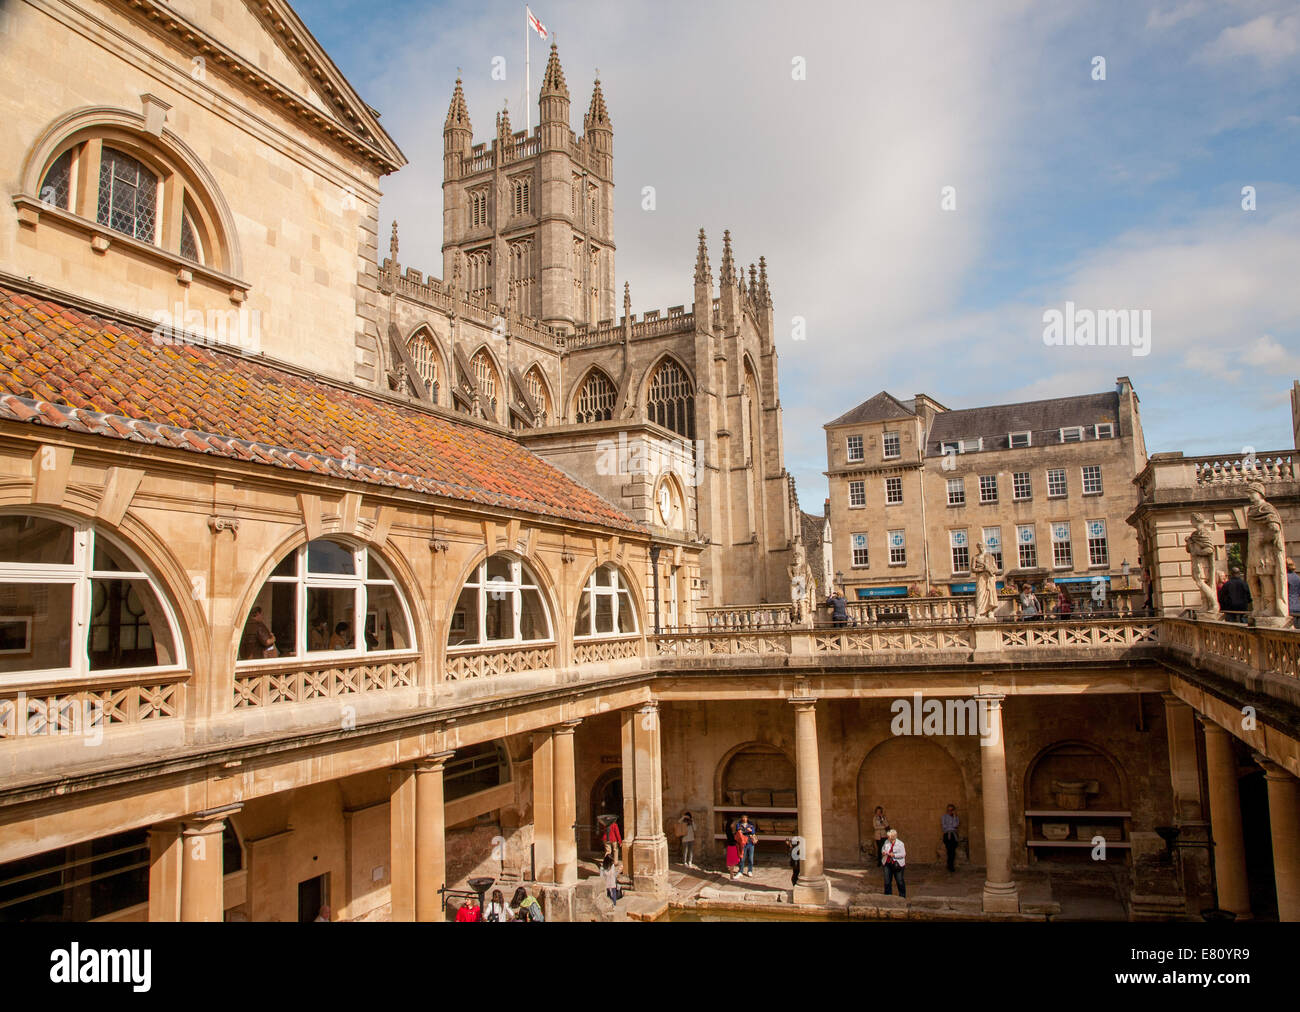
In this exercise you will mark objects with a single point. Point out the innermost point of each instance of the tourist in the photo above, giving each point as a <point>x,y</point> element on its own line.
<point>894,858</point>
<point>497,910</point>
<point>949,822</point>
<point>1234,597</point>
<point>319,638</point>
<point>733,849</point>
<point>880,826</point>
<point>341,640</point>
<point>526,907</point>
<point>609,875</point>
<point>749,837</point>
<point>1064,603</point>
<point>324,913</point>
<point>1029,607</point>
<point>839,608</point>
<point>1292,591</point>
<point>258,640</point>
<point>687,823</point>
<point>613,840</point>
<point>469,910</point>
<point>794,861</point>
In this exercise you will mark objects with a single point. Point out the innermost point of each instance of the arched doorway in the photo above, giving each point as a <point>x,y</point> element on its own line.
<point>606,801</point>
<point>758,780</point>
<point>914,779</point>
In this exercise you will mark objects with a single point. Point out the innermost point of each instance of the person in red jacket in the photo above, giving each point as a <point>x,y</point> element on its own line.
<point>613,839</point>
<point>470,910</point>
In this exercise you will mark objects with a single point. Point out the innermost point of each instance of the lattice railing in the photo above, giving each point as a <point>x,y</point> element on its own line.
<point>596,651</point>
<point>82,710</point>
<point>493,663</point>
<point>723,643</point>
<point>1078,634</point>
<point>302,682</point>
<point>876,641</point>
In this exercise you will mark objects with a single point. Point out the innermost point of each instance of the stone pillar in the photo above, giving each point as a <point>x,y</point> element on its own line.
<point>544,805</point>
<point>650,846</point>
<point>430,837</point>
<point>565,812</point>
<point>202,886</point>
<point>812,887</point>
<point>629,719</point>
<point>1001,894</point>
<point>1225,821</point>
<point>165,872</point>
<point>401,843</point>
<point>1189,812</point>
<point>1284,822</point>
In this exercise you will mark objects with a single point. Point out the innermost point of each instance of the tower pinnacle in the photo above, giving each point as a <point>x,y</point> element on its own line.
<point>703,274</point>
<point>727,276</point>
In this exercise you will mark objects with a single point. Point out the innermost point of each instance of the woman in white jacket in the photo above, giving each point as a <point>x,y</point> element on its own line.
<point>893,855</point>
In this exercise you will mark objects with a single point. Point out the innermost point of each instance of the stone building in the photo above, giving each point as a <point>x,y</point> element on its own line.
<point>1047,486</point>
<point>302,608</point>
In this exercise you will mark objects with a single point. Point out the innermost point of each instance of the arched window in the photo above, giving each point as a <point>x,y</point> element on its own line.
<point>500,603</point>
<point>538,392</point>
<point>596,399</point>
<point>520,197</point>
<point>327,598</point>
<point>128,196</point>
<point>522,276</point>
<point>425,356</point>
<point>485,376</point>
<point>671,401</point>
<point>73,603</point>
<point>478,208</point>
<point>480,273</point>
<point>595,206</point>
<point>605,607</point>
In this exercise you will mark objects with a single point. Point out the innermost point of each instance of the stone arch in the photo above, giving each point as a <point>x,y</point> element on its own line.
<point>485,353</point>
<point>424,332</point>
<point>759,775</point>
<point>914,778</point>
<point>635,587</point>
<point>603,407</point>
<point>547,586</point>
<point>547,405</point>
<point>673,389</point>
<point>1075,759</point>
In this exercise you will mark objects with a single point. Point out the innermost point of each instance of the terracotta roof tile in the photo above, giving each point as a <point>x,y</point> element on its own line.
<point>65,368</point>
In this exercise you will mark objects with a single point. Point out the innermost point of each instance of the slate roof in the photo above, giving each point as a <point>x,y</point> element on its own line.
<point>878,409</point>
<point>1044,419</point>
<point>68,369</point>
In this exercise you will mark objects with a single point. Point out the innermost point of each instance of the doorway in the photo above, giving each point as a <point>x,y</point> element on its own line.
<point>606,800</point>
<point>312,895</point>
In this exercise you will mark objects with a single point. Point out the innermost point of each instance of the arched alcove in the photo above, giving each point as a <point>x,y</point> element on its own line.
<point>914,779</point>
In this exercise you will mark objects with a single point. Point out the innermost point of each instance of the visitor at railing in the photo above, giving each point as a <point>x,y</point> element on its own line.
<point>1234,597</point>
<point>1029,606</point>
<point>1064,604</point>
<point>1292,592</point>
<point>839,608</point>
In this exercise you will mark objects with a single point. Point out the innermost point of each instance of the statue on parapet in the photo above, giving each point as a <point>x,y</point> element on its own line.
<point>984,567</point>
<point>1265,558</point>
<point>1200,546</point>
<point>802,606</point>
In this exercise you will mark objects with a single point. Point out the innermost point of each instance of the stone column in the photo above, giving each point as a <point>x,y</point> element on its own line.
<point>651,845</point>
<point>565,812</point>
<point>1225,820</point>
<point>430,837</point>
<point>1284,822</point>
<point>812,887</point>
<point>202,888</point>
<point>628,730</point>
<point>544,804</point>
<point>165,872</point>
<point>401,843</point>
<point>1001,895</point>
<point>1189,811</point>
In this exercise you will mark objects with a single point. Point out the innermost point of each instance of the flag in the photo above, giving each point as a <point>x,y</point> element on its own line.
<point>535,23</point>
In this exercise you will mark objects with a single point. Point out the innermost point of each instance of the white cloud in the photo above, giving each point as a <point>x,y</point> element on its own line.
<point>1269,38</point>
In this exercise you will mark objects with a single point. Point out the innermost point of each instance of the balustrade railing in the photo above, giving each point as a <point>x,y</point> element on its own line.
<point>495,663</point>
<point>89,709</point>
<point>302,681</point>
<point>1237,469</point>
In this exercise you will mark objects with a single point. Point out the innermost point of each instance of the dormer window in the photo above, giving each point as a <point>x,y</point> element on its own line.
<point>1072,434</point>
<point>973,445</point>
<point>1105,430</point>
<point>1019,440</point>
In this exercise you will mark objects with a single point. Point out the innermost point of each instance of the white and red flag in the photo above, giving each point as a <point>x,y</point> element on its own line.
<point>535,23</point>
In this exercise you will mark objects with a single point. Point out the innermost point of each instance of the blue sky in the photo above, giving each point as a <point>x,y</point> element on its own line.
<point>1122,193</point>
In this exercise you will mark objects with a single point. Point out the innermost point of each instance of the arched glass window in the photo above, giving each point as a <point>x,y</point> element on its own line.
<point>478,208</point>
<point>596,399</point>
<point>671,401</point>
<point>73,602</point>
<point>128,196</point>
<point>537,390</point>
<point>500,603</point>
<point>56,187</point>
<point>327,598</point>
<point>485,375</point>
<point>425,356</point>
<point>605,607</point>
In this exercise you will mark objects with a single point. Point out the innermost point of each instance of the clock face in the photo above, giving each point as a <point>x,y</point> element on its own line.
<point>665,504</point>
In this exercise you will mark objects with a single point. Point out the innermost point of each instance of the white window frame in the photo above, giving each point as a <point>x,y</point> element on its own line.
<point>955,548</point>
<point>1065,487</point>
<point>989,500</point>
<point>957,485</point>
<point>617,587</point>
<point>852,443</point>
<point>1076,431</point>
<point>1016,486</point>
<point>995,551</point>
<point>80,575</point>
<point>864,548</point>
<point>1024,547</point>
<point>1062,548</point>
<point>515,586</point>
<point>1098,547</point>
<point>359,581</point>
<point>893,501</point>
<point>1108,426</point>
<point>860,487</point>
<point>1013,436</point>
<point>897,440</point>
<point>1083,471</point>
<point>897,553</point>
<point>972,445</point>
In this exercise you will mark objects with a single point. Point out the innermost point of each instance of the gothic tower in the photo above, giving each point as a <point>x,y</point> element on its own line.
<point>533,217</point>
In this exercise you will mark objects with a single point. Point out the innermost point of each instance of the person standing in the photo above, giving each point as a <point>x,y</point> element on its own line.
<point>609,875</point>
<point>687,822</point>
<point>894,858</point>
<point>1234,597</point>
<point>950,822</point>
<point>1064,603</point>
<point>613,840</point>
<point>1029,608</point>
<point>469,911</point>
<point>258,640</point>
<point>749,834</point>
<point>839,608</point>
<point>880,826</point>
<point>526,907</point>
<point>794,860</point>
<point>1292,591</point>
<point>497,910</point>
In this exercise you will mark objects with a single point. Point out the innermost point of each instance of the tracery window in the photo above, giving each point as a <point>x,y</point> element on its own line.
<point>128,196</point>
<point>596,399</point>
<point>671,401</point>
<point>520,197</point>
<point>537,391</point>
<point>478,208</point>
<point>73,602</point>
<point>605,607</point>
<point>501,602</point>
<point>485,375</point>
<point>327,597</point>
<point>425,356</point>
<point>480,273</point>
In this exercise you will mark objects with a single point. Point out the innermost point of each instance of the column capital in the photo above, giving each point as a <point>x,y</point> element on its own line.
<point>433,762</point>
<point>208,822</point>
<point>1210,724</point>
<point>650,706</point>
<point>567,727</point>
<point>1273,770</point>
<point>803,702</point>
<point>990,697</point>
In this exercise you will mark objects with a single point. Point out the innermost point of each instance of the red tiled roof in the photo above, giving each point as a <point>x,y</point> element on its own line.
<point>65,368</point>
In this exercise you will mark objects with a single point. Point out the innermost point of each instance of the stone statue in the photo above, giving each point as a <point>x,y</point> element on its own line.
<point>1265,558</point>
<point>984,567</point>
<point>802,606</point>
<point>1200,546</point>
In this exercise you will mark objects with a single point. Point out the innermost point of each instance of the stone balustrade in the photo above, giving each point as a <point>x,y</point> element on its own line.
<point>762,616</point>
<point>85,708</point>
<point>467,664</point>
<point>1239,469</point>
<point>1263,659</point>
<point>304,680</point>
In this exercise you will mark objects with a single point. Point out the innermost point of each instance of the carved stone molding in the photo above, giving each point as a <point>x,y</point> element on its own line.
<point>219,524</point>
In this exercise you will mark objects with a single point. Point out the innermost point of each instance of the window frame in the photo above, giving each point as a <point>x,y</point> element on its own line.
<point>1016,485</point>
<point>849,444</point>
<point>1012,436</point>
<point>864,548</point>
<point>960,490</point>
<point>989,500</point>
<point>1027,547</point>
<point>1062,548</point>
<point>1083,473</point>
<point>1098,547</point>
<point>955,548</point>
<point>1108,426</point>
<point>898,482</point>
<point>894,437</point>
<point>858,489</point>
<point>1064,483</point>
<point>592,589</point>
<point>1076,430</point>
<point>478,580</point>
<point>993,549</point>
<point>901,548</point>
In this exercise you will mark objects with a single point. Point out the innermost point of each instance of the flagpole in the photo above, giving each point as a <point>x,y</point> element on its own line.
<point>528,77</point>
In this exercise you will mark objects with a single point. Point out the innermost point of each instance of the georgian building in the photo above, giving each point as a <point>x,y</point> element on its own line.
<point>327,584</point>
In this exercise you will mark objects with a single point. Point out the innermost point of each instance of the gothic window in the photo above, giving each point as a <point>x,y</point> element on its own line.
<point>425,356</point>
<point>327,597</point>
<point>605,607</point>
<point>480,273</point>
<point>74,603</point>
<point>574,190</point>
<point>537,391</point>
<point>478,208</point>
<point>671,401</point>
<point>750,409</point>
<point>596,399</point>
<point>191,244</point>
<point>501,602</point>
<point>520,197</point>
<point>595,206</point>
<point>521,276</point>
<point>485,376</point>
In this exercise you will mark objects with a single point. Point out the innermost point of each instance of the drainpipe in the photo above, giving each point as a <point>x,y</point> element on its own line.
<point>654,569</point>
